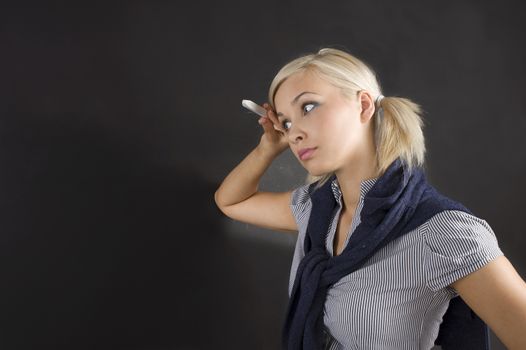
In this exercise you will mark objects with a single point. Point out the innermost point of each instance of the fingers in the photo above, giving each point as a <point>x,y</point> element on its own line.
<point>270,113</point>
<point>267,124</point>
<point>272,117</point>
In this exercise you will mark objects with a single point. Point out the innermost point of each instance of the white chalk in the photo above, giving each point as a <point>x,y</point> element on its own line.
<point>254,107</point>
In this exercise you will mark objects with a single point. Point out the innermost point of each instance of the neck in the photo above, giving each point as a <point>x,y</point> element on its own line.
<point>351,176</point>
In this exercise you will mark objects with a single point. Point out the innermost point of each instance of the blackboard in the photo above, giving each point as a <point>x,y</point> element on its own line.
<point>119,119</point>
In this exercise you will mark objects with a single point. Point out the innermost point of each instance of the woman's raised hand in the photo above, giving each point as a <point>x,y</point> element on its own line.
<point>274,140</point>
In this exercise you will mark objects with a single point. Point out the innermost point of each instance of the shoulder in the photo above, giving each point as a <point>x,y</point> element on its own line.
<point>300,203</point>
<point>300,198</point>
<point>446,219</point>
<point>300,195</point>
<point>456,226</point>
<point>456,244</point>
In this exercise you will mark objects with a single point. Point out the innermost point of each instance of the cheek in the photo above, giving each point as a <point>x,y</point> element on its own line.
<point>343,136</point>
<point>342,126</point>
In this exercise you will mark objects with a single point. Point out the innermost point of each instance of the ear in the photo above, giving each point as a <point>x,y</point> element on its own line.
<point>367,107</point>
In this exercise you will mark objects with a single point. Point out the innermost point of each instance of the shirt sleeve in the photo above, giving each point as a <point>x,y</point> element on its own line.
<point>456,244</point>
<point>300,205</point>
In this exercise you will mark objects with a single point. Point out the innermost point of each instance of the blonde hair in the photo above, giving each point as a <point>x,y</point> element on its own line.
<point>397,134</point>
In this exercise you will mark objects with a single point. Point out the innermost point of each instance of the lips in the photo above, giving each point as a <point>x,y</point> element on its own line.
<point>305,153</point>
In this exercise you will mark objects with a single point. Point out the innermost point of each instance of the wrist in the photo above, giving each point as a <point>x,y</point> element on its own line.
<point>265,153</point>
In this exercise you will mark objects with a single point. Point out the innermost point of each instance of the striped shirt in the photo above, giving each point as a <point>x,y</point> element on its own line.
<point>397,299</point>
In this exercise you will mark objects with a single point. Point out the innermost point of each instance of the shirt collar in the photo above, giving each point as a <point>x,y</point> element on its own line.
<point>365,186</point>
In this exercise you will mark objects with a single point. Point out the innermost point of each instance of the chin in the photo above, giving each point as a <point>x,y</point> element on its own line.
<point>318,171</point>
<point>314,168</point>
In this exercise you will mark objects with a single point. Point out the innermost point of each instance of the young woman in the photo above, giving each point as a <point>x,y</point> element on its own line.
<point>380,254</point>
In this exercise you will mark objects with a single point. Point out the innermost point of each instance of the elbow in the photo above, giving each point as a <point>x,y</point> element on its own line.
<point>217,199</point>
<point>225,208</point>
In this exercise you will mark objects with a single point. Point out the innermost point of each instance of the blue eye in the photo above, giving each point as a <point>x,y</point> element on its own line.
<point>309,105</point>
<point>306,108</point>
<point>286,125</point>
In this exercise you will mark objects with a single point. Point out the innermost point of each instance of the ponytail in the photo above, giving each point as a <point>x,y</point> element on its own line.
<point>398,133</point>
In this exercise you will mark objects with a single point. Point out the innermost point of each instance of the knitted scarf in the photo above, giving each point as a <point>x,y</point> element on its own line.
<point>399,201</point>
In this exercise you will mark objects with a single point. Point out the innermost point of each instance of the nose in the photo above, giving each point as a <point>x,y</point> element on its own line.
<point>295,134</point>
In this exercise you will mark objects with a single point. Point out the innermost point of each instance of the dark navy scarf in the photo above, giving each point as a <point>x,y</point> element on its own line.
<point>399,201</point>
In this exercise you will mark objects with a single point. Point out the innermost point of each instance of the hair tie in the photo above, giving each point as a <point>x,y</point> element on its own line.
<point>379,99</point>
<point>379,109</point>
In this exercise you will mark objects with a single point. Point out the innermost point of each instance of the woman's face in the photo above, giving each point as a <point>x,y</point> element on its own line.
<point>324,128</point>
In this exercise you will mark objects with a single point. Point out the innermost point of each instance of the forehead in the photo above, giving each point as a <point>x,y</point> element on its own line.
<point>298,83</point>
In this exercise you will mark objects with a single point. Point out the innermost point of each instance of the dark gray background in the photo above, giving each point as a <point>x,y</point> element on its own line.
<point>119,119</point>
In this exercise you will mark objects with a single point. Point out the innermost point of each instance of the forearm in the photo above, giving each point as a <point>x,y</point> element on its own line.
<point>243,181</point>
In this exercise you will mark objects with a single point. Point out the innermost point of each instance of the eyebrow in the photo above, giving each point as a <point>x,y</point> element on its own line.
<point>296,100</point>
